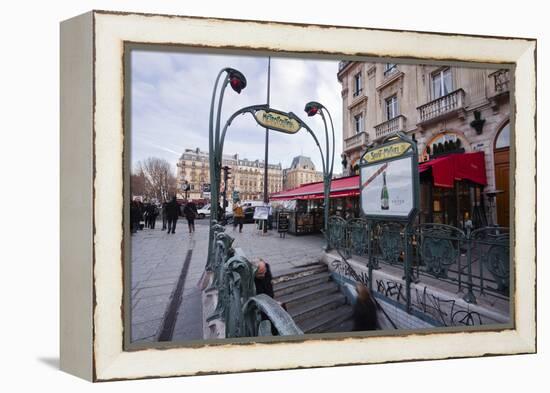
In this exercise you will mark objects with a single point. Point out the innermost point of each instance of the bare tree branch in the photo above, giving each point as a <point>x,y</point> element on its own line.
<point>154,179</point>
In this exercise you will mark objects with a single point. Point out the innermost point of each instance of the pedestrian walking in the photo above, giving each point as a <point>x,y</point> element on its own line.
<point>190,212</point>
<point>364,310</point>
<point>172,214</point>
<point>152,214</point>
<point>140,217</point>
<point>134,216</point>
<point>238,216</point>
<point>163,215</point>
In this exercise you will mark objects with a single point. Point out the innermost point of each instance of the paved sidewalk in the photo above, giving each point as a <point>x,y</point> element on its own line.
<point>158,259</point>
<point>166,300</point>
<point>282,254</point>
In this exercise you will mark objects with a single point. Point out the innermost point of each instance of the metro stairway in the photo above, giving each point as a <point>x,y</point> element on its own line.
<point>313,300</point>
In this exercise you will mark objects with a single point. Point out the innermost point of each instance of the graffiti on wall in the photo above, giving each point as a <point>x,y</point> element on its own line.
<point>447,312</point>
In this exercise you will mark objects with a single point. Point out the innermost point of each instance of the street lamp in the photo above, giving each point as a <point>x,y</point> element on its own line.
<point>313,108</point>
<point>237,81</point>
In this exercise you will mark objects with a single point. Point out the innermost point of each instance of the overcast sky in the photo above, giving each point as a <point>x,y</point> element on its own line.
<point>171,93</point>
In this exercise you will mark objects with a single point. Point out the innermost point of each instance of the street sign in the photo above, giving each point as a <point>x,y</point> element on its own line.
<point>235,196</point>
<point>389,180</point>
<point>283,220</point>
<point>277,121</point>
<point>261,212</point>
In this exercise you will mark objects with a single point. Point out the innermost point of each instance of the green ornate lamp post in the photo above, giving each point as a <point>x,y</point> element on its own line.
<point>237,81</point>
<point>313,108</point>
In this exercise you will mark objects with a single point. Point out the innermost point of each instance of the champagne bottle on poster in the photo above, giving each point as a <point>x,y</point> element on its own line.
<point>384,197</point>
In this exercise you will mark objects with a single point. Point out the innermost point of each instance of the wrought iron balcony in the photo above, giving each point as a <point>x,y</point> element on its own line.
<point>356,141</point>
<point>442,107</point>
<point>501,82</point>
<point>390,127</point>
<point>342,64</point>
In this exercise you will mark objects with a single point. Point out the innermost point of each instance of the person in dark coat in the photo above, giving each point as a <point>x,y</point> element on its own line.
<point>364,310</point>
<point>190,212</point>
<point>140,210</point>
<point>262,280</point>
<point>134,216</point>
<point>163,215</point>
<point>172,214</point>
<point>152,213</point>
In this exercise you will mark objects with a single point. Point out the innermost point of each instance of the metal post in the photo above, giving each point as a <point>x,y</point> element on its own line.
<point>266,197</point>
<point>211,159</point>
<point>370,256</point>
<point>224,195</point>
<point>408,264</point>
<point>469,297</point>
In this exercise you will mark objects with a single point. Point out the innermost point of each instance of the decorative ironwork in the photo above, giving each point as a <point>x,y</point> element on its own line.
<point>222,252</point>
<point>263,316</point>
<point>337,229</point>
<point>491,245</point>
<point>237,286</point>
<point>501,79</point>
<point>390,241</point>
<point>357,236</point>
<point>439,247</point>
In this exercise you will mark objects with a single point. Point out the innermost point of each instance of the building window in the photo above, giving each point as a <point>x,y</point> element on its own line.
<point>392,109</point>
<point>357,84</point>
<point>359,123</point>
<point>503,138</point>
<point>389,68</point>
<point>442,83</point>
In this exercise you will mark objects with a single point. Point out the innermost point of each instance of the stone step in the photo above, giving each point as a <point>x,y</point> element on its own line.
<point>301,271</point>
<point>326,320</point>
<point>304,295</point>
<point>286,287</point>
<point>314,307</point>
<point>345,326</point>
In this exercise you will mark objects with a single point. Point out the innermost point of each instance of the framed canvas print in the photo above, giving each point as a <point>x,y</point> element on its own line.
<point>245,195</point>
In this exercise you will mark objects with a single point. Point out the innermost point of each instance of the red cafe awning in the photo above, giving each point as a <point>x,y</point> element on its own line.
<point>465,166</point>
<point>445,170</point>
<point>345,186</point>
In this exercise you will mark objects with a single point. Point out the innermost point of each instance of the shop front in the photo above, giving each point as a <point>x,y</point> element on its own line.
<point>451,190</point>
<point>451,193</point>
<point>306,203</point>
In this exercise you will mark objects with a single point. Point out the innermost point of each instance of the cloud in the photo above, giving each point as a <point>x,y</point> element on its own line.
<point>171,94</point>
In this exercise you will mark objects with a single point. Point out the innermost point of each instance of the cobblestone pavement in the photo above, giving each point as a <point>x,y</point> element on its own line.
<point>165,287</point>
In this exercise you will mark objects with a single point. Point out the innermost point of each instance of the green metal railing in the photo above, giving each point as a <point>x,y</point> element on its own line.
<point>478,261</point>
<point>244,313</point>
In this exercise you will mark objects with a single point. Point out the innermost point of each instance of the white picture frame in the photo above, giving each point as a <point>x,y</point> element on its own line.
<point>92,189</point>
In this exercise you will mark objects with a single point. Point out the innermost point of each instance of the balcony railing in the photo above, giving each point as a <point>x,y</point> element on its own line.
<point>342,64</point>
<point>501,81</point>
<point>356,141</point>
<point>390,127</point>
<point>441,107</point>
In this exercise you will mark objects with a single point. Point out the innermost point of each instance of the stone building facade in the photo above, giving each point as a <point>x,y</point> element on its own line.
<point>436,105</point>
<point>246,176</point>
<point>301,171</point>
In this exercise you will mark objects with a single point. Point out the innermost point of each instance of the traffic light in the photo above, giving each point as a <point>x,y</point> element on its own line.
<point>226,172</point>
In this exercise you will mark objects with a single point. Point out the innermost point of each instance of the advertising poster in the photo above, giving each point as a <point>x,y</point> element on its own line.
<point>387,188</point>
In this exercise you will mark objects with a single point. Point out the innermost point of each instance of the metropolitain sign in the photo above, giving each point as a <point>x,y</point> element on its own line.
<point>277,121</point>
